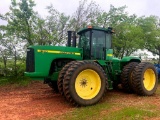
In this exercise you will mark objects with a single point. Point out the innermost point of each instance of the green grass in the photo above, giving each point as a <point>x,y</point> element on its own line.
<point>130,113</point>
<point>86,113</point>
<point>16,81</point>
<point>4,81</point>
<point>108,111</point>
<point>116,106</point>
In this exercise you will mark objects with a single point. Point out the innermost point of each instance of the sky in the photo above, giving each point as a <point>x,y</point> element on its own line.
<point>138,7</point>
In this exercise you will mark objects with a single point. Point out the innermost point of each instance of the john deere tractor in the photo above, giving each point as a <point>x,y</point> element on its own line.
<point>84,73</point>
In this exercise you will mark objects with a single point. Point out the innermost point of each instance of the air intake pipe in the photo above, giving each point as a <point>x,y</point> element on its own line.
<point>74,39</point>
<point>69,38</point>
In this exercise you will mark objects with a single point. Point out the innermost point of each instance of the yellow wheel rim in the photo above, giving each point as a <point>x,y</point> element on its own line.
<point>87,84</point>
<point>149,79</point>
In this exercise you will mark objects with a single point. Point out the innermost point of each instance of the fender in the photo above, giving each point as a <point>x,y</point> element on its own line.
<point>130,58</point>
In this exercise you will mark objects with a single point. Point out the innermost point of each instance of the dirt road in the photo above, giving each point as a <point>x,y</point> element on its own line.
<point>33,102</point>
<point>38,101</point>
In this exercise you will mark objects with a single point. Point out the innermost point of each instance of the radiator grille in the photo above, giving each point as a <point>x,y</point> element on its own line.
<point>30,60</point>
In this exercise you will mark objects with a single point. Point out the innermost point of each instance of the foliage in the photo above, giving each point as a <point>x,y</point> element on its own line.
<point>127,32</point>
<point>21,20</point>
<point>10,70</point>
<point>151,31</point>
<point>10,78</point>
<point>56,26</point>
<point>26,27</point>
<point>85,14</point>
<point>16,81</point>
<point>128,39</point>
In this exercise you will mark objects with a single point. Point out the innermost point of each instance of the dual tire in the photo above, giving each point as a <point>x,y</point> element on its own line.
<point>139,78</point>
<point>82,83</point>
<point>145,79</point>
<point>126,77</point>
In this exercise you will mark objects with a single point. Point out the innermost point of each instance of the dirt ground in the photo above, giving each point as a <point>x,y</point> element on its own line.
<point>33,102</point>
<point>39,101</point>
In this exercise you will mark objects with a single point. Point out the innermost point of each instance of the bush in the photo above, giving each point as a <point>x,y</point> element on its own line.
<point>10,76</point>
<point>10,70</point>
<point>18,81</point>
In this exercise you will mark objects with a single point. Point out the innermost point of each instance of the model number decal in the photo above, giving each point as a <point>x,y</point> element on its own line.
<point>58,52</point>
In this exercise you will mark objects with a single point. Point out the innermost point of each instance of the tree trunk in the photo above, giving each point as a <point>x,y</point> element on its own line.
<point>15,62</point>
<point>5,65</point>
<point>122,54</point>
<point>28,33</point>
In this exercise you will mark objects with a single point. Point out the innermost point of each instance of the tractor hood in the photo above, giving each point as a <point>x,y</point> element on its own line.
<point>40,58</point>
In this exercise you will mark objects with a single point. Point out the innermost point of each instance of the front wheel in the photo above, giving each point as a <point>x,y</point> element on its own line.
<point>144,79</point>
<point>61,76</point>
<point>84,83</point>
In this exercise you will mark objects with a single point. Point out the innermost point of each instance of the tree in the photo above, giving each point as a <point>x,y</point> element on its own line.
<point>151,30</point>
<point>41,34</point>
<point>4,53</point>
<point>21,20</point>
<point>86,14</point>
<point>10,47</point>
<point>114,17</point>
<point>56,26</point>
<point>127,39</point>
<point>128,35</point>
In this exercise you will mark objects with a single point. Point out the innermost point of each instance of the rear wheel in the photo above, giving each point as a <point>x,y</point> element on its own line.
<point>84,83</point>
<point>145,79</point>
<point>61,76</point>
<point>126,76</point>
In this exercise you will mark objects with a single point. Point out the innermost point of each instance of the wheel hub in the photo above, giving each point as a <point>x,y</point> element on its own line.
<point>83,82</point>
<point>87,84</point>
<point>149,79</point>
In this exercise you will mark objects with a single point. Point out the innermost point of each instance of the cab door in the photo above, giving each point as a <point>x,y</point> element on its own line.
<point>98,48</point>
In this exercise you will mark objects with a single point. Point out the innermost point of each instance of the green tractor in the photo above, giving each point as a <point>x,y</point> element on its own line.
<point>83,74</point>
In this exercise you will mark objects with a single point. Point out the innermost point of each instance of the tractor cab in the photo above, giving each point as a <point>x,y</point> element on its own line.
<point>96,43</point>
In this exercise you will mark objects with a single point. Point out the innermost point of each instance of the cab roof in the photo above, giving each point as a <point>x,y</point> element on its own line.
<point>108,30</point>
